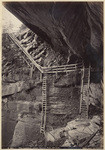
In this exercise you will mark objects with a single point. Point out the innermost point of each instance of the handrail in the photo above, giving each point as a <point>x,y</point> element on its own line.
<point>61,71</point>
<point>69,65</point>
<point>52,69</point>
<point>63,68</point>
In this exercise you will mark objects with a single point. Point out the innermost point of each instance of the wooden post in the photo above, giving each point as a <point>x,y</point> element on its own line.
<point>41,76</point>
<point>31,71</point>
<point>26,61</point>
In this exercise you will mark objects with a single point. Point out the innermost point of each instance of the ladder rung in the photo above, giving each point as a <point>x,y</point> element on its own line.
<point>84,109</point>
<point>44,90</point>
<point>85,81</point>
<point>44,87</point>
<point>44,105</point>
<point>44,97</point>
<point>44,102</point>
<point>44,84</point>
<point>83,105</point>
<point>42,129</point>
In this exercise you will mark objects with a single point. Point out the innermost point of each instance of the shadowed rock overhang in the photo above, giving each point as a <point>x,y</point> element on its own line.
<point>71,28</point>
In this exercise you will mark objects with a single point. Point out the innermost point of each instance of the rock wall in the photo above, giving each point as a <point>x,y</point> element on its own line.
<point>14,109</point>
<point>63,100</point>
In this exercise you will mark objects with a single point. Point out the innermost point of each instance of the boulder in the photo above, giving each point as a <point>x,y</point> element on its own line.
<point>19,137</point>
<point>12,88</point>
<point>76,132</point>
<point>26,130</point>
<point>95,94</point>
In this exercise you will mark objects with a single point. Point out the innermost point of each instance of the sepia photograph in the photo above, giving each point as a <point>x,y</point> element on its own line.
<point>52,75</point>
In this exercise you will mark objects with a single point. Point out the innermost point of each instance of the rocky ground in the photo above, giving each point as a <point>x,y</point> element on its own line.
<point>22,108</point>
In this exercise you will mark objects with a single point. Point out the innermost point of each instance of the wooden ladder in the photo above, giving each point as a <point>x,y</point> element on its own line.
<point>84,100</point>
<point>44,104</point>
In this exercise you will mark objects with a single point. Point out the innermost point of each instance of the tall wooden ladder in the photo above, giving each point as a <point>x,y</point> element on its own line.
<point>84,99</point>
<point>44,104</point>
<point>33,61</point>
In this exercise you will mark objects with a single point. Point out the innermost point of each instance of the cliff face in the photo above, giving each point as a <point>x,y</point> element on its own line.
<point>75,31</point>
<point>70,28</point>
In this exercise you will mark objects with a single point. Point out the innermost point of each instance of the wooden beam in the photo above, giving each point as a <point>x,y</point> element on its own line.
<point>53,69</point>
<point>31,71</point>
<point>61,71</point>
<point>26,61</point>
<point>82,76</point>
<point>26,53</point>
<point>63,66</point>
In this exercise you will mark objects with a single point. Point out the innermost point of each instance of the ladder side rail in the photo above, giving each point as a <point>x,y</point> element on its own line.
<point>81,96</point>
<point>88,88</point>
<point>85,98</point>
<point>42,114</point>
<point>44,104</point>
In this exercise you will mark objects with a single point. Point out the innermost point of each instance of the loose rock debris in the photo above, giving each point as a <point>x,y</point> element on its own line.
<point>77,133</point>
